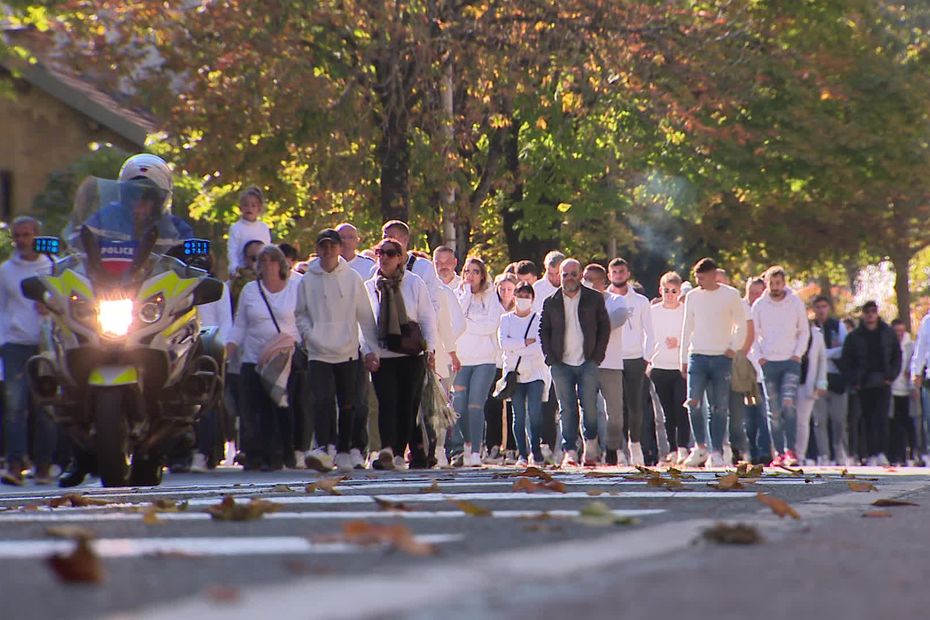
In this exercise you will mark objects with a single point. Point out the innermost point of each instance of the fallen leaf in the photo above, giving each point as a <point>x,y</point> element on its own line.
<point>535,472</point>
<point>647,472</point>
<point>229,510</point>
<point>280,488</point>
<point>394,536</point>
<point>433,488</point>
<point>594,492</point>
<point>542,527</point>
<point>737,534</point>
<point>601,474</point>
<point>390,506</point>
<point>778,506</point>
<point>526,485</point>
<point>667,483</point>
<point>327,485</point>
<point>555,485</point>
<point>599,513</point>
<point>677,474</point>
<point>223,594</point>
<point>472,510</point>
<point>796,472</point>
<point>76,500</point>
<point>151,517</point>
<point>70,532</point>
<point>862,487</point>
<point>169,505</point>
<point>729,482</point>
<point>29,507</point>
<point>887,503</point>
<point>82,565</point>
<point>298,567</point>
<point>876,514</point>
<point>845,474</point>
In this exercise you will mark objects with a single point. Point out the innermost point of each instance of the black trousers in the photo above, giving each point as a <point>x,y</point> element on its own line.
<point>634,376</point>
<point>672,391</point>
<point>903,442</point>
<point>359,439</point>
<point>550,409</point>
<point>399,387</point>
<point>875,403</point>
<point>334,399</point>
<point>267,429</point>
<point>494,420</point>
<point>300,395</point>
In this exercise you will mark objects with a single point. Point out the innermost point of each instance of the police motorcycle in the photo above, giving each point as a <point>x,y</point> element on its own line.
<point>126,367</point>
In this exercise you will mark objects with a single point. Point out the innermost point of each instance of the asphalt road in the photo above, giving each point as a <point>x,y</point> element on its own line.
<point>640,553</point>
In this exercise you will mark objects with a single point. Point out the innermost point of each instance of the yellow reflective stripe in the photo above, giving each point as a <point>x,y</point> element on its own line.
<point>69,282</point>
<point>178,325</point>
<point>169,284</point>
<point>106,376</point>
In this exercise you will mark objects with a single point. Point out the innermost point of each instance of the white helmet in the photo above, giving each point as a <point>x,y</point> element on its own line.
<point>151,167</point>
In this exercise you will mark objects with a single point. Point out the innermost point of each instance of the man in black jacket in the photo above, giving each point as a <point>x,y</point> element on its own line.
<point>872,359</point>
<point>574,331</point>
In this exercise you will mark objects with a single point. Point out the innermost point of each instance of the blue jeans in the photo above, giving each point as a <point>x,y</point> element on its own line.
<point>757,426</point>
<point>781,390</point>
<point>16,420</point>
<point>710,374</point>
<point>925,415</point>
<point>469,392</point>
<point>574,384</point>
<point>527,401</point>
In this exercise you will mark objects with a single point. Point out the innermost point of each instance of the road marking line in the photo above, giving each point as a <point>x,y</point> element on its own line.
<point>227,546</point>
<point>316,515</point>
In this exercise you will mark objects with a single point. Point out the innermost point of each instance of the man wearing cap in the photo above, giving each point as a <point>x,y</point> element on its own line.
<point>332,305</point>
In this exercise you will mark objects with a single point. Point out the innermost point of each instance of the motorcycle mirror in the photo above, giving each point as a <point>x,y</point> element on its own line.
<point>50,246</point>
<point>33,289</point>
<point>208,291</point>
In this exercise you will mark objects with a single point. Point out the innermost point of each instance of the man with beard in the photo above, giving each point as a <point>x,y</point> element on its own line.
<point>445,261</point>
<point>574,332</point>
<point>638,338</point>
<point>544,288</point>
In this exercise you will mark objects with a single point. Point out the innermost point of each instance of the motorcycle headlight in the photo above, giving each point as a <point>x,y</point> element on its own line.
<point>82,310</point>
<point>114,316</point>
<point>152,310</point>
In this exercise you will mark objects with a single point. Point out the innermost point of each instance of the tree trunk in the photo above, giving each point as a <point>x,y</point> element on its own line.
<point>826,287</point>
<point>447,207</point>
<point>902,286</point>
<point>394,152</point>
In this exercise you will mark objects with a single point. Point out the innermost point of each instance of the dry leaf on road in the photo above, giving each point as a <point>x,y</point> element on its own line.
<point>390,506</point>
<point>394,536</point>
<point>75,500</point>
<point>327,485</point>
<point>778,506</point>
<point>433,488</point>
<point>472,510</point>
<point>82,565</point>
<point>229,510</point>
<point>862,487</point>
<point>876,514</point>
<point>599,513</point>
<point>280,488</point>
<point>737,534</point>
<point>535,472</point>
<point>729,482</point>
<point>677,474</point>
<point>887,503</point>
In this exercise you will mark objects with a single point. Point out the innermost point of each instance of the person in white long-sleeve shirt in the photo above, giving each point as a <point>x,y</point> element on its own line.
<point>519,341</point>
<point>265,313</point>
<point>399,297</point>
<point>359,263</point>
<point>247,228</point>
<point>451,325</point>
<point>477,352</point>
<point>782,334</point>
<point>831,408</point>
<point>638,338</point>
<point>714,329</point>
<point>812,387</point>
<point>544,288</point>
<point>667,319</point>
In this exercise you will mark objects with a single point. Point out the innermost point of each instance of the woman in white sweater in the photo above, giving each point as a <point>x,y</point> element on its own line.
<point>265,313</point>
<point>477,352</point>
<point>399,297</point>
<point>519,341</point>
<point>813,385</point>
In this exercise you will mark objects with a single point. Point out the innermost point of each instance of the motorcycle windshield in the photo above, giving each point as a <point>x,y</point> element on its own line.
<point>120,214</point>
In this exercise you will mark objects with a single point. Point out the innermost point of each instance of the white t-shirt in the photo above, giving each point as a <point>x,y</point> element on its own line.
<point>574,337</point>
<point>240,233</point>
<point>667,324</point>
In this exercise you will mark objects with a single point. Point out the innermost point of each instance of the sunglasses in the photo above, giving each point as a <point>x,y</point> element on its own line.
<point>387,253</point>
<point>670,290</point>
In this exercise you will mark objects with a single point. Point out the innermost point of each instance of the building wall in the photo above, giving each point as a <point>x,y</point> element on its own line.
<point>39,135</point>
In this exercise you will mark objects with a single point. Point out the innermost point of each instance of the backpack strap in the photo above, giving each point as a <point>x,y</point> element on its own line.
<point>410,262</point>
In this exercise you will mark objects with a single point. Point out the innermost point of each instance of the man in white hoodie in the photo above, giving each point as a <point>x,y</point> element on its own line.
<point>21,332</point>
<point>332,305</point>
<point>782,334</point>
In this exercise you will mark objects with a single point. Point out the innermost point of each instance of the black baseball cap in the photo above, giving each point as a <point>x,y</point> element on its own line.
<point>328,235</point>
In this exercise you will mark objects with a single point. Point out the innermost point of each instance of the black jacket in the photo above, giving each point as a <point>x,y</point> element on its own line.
<point>856,357</point>
<point>595,326</point>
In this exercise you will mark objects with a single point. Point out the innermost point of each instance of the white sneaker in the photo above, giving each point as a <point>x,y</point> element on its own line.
<point>852,461</point>
<point>319,460</point>
<point>871,462</point>
<point>521,462</point>
<point>622,461</point>
<point>442,461</point>
<point>681,456</point>
<point>717,459</point>
<point>547,454</point>
<point>727,456</point>
<point>636,454</point>
<point>882,460</point>
<point>570,459</point>
<point>400,463</point>
<point>199,463</point>
<point>494,457</point>
<point>358,461</point>
<point>229,454</point>
<point>591,452</point>
<point>697,458</point>
<point>474,459</point>
<point>300,459</point>
<point>343,462</point>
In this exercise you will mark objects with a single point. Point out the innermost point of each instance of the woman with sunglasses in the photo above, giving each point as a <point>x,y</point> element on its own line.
<point>398,298</point>
<point>664,370</point>
<point>477,351</point>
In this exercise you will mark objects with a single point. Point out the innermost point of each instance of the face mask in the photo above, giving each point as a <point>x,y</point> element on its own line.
<point>523,304</point>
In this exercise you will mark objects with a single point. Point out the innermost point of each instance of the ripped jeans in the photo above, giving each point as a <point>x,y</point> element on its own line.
<point>469,393</point>
<point>781,390</point>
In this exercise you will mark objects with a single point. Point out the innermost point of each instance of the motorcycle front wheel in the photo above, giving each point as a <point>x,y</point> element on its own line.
<point>111,441</point>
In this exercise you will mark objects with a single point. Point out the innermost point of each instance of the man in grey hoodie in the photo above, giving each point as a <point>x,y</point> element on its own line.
<point>332,306</point>
<point>21,333</point>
